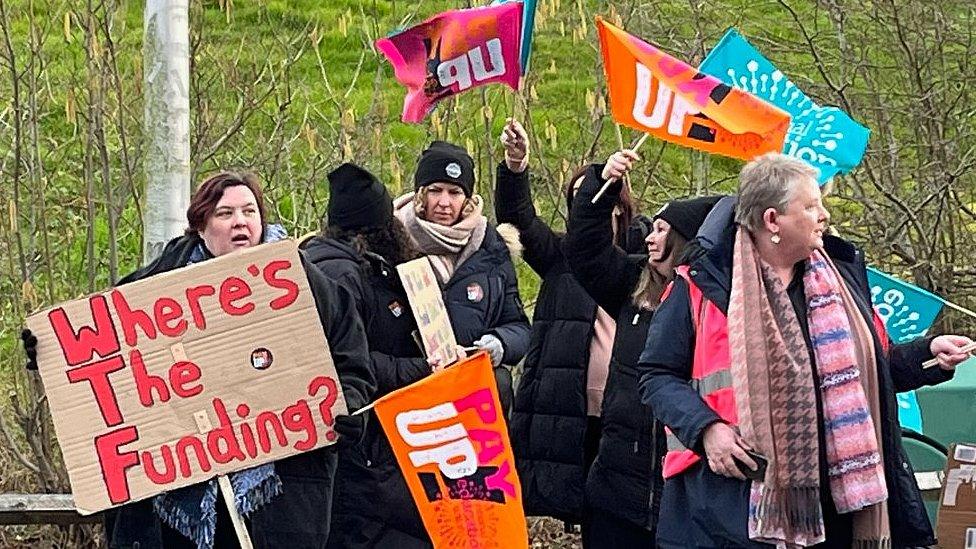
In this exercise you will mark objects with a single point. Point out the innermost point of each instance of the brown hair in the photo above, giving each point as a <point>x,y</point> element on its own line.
<point>208,194</point>
<point>624,201</point>
<point>647,293</point>
<point>390,241</point>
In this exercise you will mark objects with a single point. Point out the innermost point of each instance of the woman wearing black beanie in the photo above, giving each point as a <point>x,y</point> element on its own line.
<point>360,246</point>
<point>470,258</point>
<point>624,484</point>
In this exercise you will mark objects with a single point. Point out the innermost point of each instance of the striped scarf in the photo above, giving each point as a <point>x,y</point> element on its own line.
<point>777,406</point>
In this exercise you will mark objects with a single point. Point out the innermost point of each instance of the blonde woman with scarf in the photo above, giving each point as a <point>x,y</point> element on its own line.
<point>470,258</point>
<point>777,383</point>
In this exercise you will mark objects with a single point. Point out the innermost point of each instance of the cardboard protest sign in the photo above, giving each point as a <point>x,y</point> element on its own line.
<point>658,94</point>
<point>428,309</point>
<point>957,503</point>
<point>130,373</point>
<point>450,440</point>
<point>453,52</point>
<point>827,138</point>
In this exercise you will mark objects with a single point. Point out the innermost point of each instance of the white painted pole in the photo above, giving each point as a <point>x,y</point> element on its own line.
<point>166,88</point>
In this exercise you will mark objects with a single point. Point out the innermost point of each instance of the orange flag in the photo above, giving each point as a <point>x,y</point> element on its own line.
<point>451,442</point>
<point>655,93</point>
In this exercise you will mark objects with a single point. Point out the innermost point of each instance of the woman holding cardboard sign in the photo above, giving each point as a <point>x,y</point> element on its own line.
<point>470,258</point>
<point>287,502</point>
<point>777,382</point>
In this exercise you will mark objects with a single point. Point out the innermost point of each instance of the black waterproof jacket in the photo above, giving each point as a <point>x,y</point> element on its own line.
<point>481,298</point>
<point>625,479</point>
<point>300,516</point>
<point>549,418</point>
<point>719,505</point>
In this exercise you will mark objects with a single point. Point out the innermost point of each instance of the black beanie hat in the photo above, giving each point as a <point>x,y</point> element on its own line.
<point>357,199</point>
<point>444,162</point>
<point>687,215</point>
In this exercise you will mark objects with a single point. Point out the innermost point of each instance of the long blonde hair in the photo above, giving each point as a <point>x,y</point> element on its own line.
<point>651,284</point>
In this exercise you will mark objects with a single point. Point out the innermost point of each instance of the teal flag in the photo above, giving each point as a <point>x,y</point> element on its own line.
<point>907,311</point>
<point>528,24</point>
<point>824,137</point>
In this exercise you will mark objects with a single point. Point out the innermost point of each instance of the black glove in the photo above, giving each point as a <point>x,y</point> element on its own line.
<point>350,429</point>
<point>30,348</point>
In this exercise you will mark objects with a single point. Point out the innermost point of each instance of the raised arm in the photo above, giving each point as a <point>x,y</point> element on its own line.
<point>605,270</point>
<point>513,202</point>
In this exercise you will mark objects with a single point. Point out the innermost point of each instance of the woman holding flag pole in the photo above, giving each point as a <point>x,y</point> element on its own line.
<point>624,484</point>
<point>556,418</point>
<point>360,246</point>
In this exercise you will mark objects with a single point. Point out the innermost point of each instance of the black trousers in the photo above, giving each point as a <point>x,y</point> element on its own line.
<point>605,531</point>
<point>601,530</point>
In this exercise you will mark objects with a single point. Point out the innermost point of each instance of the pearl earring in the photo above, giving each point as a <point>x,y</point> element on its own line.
<point>775,238</point>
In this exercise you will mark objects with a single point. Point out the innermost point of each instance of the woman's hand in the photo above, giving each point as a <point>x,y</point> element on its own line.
<point>948,350</point>
<point>438,363</point>
<point>494,346</point>
<point>619,164</point>
<point>516,143</point>
<point>722,444</point>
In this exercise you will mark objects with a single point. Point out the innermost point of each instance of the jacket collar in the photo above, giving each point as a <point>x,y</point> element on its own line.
<point>491,253</point>
<point>176,254</point>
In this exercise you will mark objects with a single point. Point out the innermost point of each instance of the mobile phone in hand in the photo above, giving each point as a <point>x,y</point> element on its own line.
<point>761,462</point>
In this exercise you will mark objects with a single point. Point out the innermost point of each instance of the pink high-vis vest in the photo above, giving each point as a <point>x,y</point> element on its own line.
<point>711,372</point>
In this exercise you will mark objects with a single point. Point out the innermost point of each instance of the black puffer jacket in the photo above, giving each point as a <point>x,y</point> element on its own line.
<point>373,506</point>
<point>549,419</point>
<point>482,298</point>
<point>300,516</point>
<point>625,478</point>
<point>720,504</point>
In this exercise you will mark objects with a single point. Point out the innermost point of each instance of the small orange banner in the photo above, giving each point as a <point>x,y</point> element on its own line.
<point>656,93</point>
<point>451,442</point>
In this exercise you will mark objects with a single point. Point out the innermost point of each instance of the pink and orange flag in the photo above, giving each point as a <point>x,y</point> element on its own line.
<point>451,442</point>
<point>658,94</point>
<point>453,52</point>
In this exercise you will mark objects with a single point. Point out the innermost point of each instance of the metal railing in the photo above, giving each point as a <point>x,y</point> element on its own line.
<point>58,509</point>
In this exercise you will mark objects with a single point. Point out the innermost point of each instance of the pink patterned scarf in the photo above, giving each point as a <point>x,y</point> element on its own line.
<point>776,402</point>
